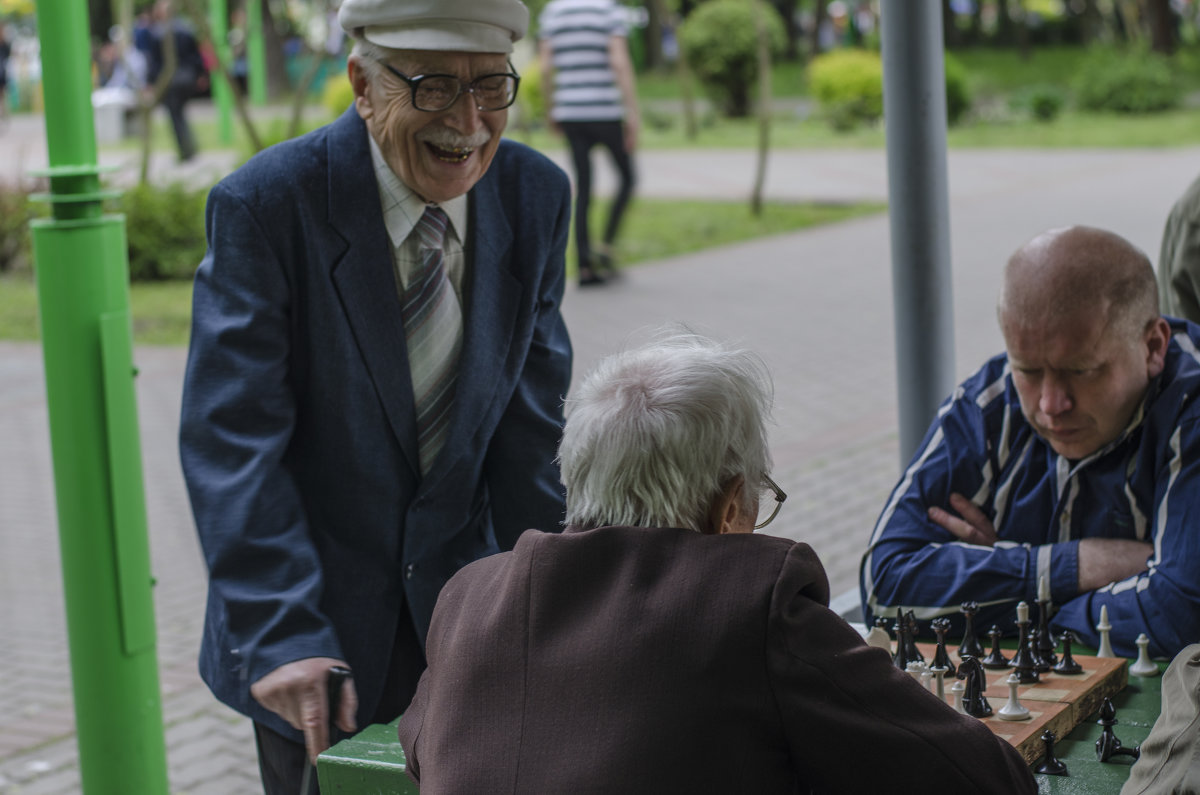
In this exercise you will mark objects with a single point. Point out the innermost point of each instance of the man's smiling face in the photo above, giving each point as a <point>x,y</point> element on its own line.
<point>441,154</point>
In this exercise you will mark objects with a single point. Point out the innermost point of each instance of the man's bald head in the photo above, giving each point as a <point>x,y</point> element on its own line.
<point>1079,269</point>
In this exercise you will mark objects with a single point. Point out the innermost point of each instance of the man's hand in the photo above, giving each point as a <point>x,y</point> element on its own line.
<point>1105,560</point>
<point>971,525</point>
<point>297,693</point>
<point>631,127</point>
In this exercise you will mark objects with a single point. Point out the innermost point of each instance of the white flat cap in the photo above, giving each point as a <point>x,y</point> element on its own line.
<point>453,25</point>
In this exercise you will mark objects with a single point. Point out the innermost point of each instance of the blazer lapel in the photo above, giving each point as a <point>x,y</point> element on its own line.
<point>364,278</point>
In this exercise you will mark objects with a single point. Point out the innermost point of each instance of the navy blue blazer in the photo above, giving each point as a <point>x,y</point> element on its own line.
<point>298,437</point>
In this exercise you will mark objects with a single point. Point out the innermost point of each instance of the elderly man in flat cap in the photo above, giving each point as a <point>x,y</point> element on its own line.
<point>377,365</point>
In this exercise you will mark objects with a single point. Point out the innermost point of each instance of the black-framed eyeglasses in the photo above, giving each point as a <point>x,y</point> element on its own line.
<point>780,496</point>
<point>432,93</point>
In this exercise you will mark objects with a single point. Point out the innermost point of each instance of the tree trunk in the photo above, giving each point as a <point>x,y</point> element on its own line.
<point>814,46</point>
<point>655,14</point>
<point>764,108</point>
<point>196,13</point>
<point>277,77</point>
<point>950,36</point>
<point>1162,29</point>
<point>787,10</point>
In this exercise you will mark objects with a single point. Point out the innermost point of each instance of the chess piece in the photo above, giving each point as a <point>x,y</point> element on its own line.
<point>1104,628</point>
<point>939,678</point>
<point>900,628</point>
<point>974,703</point>
<point>910,637</point>
<point>1041,642</point>
<point>1108,746</point>
<point>995,658</point>
<point>1143,666</point>
<point>1022,661</point>
<point>956,693</point>
<point>970,644</point>
<point>941,658</point>
<point>878,636</point>
<point>915,669</point>
<point>1013,709</point>
<point>1051,765</point>
<point>1067,663</point>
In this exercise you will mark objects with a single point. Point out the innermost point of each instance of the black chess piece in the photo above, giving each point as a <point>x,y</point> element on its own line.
<point>995,658</point>
<point>900,628</point>
<point>910,624</point>
<point>1023,661</point>
<point>973,702</point>
<point>1051,765</point>
<point>941,658</point>
<point>970,644</point>
<point>1108,746</point>
<point>1067,663</point>
<point>1042,641</point>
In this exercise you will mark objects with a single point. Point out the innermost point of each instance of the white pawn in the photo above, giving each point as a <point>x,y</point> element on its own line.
<point>1144,666</point>
<point>939,676</point>
<point>1014,709</point>
<point>916,670</point>
<point>1104,628</point>
<point>956,693</point>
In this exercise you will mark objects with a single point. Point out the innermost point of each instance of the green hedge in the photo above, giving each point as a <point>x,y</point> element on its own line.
<point>1134,81</point>
<point>720,43</point>
<point>848,86</point>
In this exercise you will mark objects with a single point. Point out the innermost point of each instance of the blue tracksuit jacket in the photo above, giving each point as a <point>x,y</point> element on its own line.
<point>1144,485</point>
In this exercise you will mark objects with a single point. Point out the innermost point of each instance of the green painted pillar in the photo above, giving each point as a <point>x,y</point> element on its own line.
<point>218,23</point>
<point>83,295</point>
<point>256,56</point>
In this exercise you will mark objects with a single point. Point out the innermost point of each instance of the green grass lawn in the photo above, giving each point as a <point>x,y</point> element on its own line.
<point>653,229</point>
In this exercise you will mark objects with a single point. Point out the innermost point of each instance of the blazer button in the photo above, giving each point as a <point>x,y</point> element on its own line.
<point>408,571</point>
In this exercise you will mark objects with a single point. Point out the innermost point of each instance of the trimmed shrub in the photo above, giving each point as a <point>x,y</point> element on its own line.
<point>165,230</point>
<point>16,211</point>
<point>531,99</point>
<point>337,94</point>
<point>848,86</point>
<point>958,95</point>
<point>1042,102</point>
<point>1136,81</point>
<point>721,46</point>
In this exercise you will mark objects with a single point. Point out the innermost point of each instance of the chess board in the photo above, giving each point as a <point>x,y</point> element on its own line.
<point>1058,702</point>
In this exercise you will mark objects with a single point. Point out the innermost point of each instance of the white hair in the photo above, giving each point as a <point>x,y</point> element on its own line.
<point>654,435</point>
<point>370,55</point>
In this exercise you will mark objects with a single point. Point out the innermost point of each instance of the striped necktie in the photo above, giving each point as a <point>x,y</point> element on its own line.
<point>433,330</point>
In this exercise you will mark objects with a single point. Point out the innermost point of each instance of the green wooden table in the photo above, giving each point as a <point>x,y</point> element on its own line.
<point>372,760</point>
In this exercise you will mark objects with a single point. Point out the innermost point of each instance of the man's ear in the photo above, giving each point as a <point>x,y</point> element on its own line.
<point>1157,338</point>
<point>360,84</point>
<point>728,514</point>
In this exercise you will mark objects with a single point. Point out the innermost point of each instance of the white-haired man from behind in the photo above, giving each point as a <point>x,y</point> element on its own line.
<point>657,644</point>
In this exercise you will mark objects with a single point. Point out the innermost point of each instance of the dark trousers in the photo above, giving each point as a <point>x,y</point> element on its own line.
<point>174,100</point>
<point>281,760</point>
<point>582,136</point>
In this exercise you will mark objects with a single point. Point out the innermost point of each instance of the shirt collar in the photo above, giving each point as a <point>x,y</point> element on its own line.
<point>402,208</point>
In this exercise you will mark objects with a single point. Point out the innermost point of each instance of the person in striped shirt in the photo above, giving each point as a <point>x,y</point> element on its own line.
<point>1072,458</point>
<point>585,54</point>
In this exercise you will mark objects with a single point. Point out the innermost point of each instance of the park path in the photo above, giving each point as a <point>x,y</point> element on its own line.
<point>816,304</point>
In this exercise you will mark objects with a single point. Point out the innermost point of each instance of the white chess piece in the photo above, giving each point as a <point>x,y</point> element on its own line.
<point>1104,628</point>
<point>1014,709</point>
<point>1144,666</point>
<point>916,669</point>
<point>956,693</point>
<point>879,638</point>
<point>939,676</point>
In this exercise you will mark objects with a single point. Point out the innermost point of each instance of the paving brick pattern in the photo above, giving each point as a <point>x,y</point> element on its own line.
<point>816,305</point>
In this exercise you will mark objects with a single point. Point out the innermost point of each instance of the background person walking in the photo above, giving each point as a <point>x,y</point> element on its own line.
<point>584,49</point>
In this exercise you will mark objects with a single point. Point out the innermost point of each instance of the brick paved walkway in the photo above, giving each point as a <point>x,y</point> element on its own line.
<point>816,304</point>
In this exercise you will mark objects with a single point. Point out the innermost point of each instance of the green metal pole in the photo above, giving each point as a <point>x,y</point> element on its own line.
<point>256,58</point>
<point>83,295</point>
<point>218,23</point>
